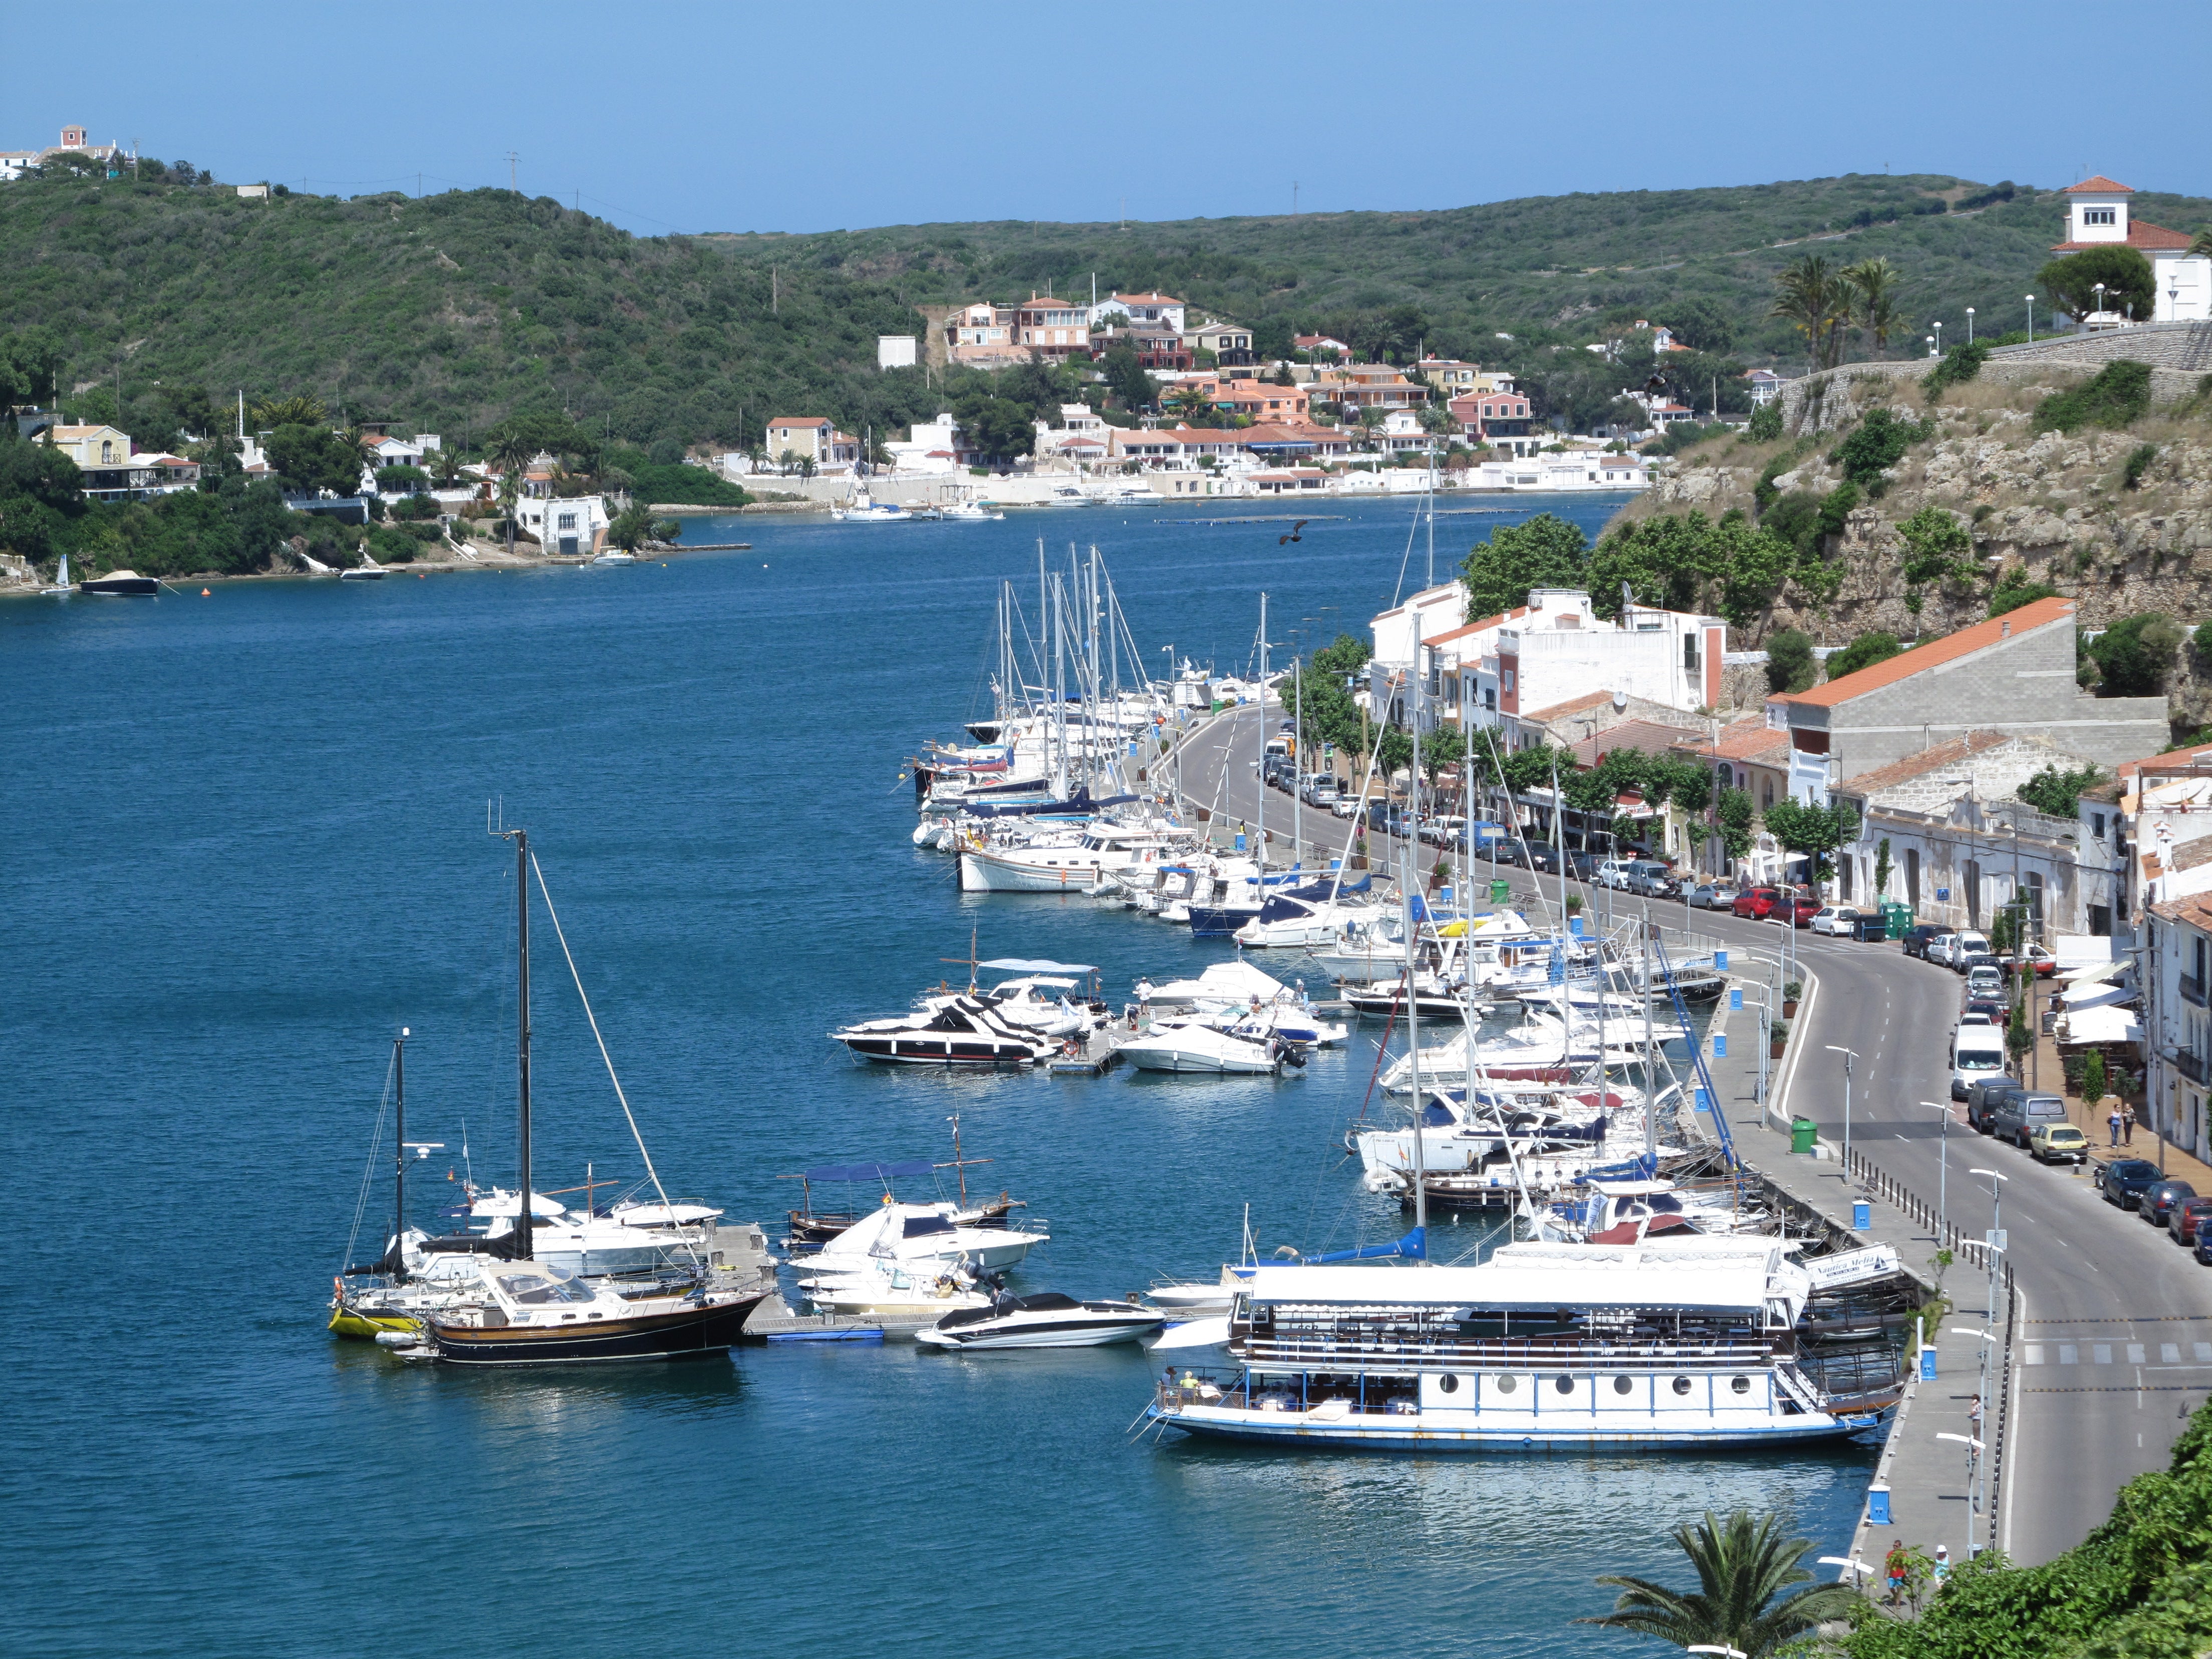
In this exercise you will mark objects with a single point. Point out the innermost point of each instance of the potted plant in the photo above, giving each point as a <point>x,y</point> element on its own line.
<point>1790,996</point>
<point>1440,875</point>
<point>1358,859</point>
<point>1778,1036</point>
<point>1574,904</point>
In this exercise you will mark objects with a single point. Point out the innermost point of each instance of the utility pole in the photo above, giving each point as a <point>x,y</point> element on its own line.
<point>511,158</point>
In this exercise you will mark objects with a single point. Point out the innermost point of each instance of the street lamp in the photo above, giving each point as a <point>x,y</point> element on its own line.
<point>1849,1056</point>
<point>1942,1172</point>
<point>2031,319</point>
<point>1930,340</point>
<point>1850,1564</point>
<point>2099,289</point>
<point>1939,340</point>
<point>1970,324</point>
<point>1995,1242</point>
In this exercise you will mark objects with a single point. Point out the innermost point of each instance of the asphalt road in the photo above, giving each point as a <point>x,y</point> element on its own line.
<point>2111,1351</point>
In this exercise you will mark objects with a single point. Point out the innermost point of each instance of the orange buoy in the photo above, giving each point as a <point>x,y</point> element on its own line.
<point>205,593</point>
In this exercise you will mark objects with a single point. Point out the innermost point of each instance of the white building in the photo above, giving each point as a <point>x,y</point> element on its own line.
<point>1162,309</point>
<point>895,351</point>
<point>1565,473</point>
<point>2097,216</point>
<point>564,524</point>
<point>930,447</point>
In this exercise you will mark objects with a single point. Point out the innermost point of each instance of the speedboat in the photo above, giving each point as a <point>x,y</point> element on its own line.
<point>367,571</point>
<point>1432,1000</point>
<point>898,1296</point>
<point>964,1031</point>
<point>615,556</point>
<point>924,1236</point>
<point>970,512</point>
<point>121,585</point>
<point>1047,1320</point>
<point>1188,1045</point>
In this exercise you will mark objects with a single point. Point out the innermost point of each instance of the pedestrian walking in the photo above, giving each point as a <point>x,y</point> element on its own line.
<point>1898,1565</point>
<point>1941,1570</point>
<point>2127,1127</point>
<point>1974,1418</point>
<point>2114,1121</point>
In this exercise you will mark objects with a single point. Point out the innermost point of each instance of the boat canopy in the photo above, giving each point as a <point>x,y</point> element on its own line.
<point>1601,1276</point>
<point>912,1166</point>
<point>1034,966</point>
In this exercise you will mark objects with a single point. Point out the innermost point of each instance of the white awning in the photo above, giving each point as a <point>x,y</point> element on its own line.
<point>2100,1025</point>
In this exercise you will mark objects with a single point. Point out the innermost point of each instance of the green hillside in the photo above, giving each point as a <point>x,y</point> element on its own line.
<point>453,311</point>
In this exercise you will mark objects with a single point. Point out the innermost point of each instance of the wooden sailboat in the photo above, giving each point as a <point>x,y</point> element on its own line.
<point>521,1311</point>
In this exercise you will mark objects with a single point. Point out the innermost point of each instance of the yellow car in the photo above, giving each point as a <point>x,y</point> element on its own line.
<point>2058,1143</point>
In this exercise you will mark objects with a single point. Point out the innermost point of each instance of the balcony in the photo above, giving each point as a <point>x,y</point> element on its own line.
<point>2195,1067</point>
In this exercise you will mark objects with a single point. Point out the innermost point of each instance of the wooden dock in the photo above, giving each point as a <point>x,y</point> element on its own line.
<point>772,1321</point>
<point>1102,1051</point>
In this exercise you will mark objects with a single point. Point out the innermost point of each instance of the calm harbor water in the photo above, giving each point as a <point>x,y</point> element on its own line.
<point>250,844</point>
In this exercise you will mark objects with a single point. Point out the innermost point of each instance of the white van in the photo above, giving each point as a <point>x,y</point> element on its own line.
<point>1976,1052</point>
<point>1957,947</point>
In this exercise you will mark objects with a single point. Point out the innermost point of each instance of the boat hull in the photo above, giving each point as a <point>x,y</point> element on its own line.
<point>356,1325</point>
<point>682,1333</point>
<point>1373,1432</point>
<point>1177,1062</point>
<point>918,1051</point>
<point>122,587</point>
<point>1074,1334</point>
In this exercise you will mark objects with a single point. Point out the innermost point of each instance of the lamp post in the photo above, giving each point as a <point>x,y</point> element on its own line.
<point>1976,1470</point>
<point>1970,324</point>
<point>1942,1172</point>
<point>2031,319</point>
<point>2098,288</point>
<point>1858,1569</point>
<point>1849,1056</point>
<point>1939,340</point>
<point>1930,340</point>
<point>1994,1245</point>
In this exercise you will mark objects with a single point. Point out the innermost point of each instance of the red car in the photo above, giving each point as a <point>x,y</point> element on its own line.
<point>1757,902</point>
<point>1802,908</point>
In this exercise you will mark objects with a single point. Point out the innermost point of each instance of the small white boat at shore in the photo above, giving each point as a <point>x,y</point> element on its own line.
<point>1047,1320</point>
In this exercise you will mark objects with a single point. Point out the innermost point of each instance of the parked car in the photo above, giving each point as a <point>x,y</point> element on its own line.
<point>1837,921</point>
<point>2124,1180</point>
<point>1714,895</point>
<point>1321,790</point>
<point>1796,908</point>
<point>2057,1143</point>
<point>1984,1099</point>
<point>1985,981</point>
<point>1991,1009</point>
<point>1959,948</point>
<point>1542,857</point>
<point>1920,939</point>
<point>2020,1115</point>
<point>1756,902</point>
<point>2181,1221</point>
<point>1504,849</point>
<point>1984,961</point>
<point>2159,1199</point>
<point>1652,879</point>
<point>1581,865</point>
<point>2032,959</point>
<point>2202,1251</point>
<point>1445,831</point>
<point>1614,872</point>
<point>1345,807</point>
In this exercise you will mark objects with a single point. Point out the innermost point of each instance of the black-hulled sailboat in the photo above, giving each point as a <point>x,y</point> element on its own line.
<point>521,1311</point>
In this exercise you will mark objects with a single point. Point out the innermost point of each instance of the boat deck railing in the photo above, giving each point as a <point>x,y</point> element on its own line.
<point>1506,1355</point>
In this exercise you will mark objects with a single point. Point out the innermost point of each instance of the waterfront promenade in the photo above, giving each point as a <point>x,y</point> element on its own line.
<point>2106,1357</point>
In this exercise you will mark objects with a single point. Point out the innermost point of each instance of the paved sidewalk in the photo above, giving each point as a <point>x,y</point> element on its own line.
<point>1932,1481</point>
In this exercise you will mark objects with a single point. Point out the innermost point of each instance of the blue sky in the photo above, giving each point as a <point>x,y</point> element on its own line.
<point>817,118</point>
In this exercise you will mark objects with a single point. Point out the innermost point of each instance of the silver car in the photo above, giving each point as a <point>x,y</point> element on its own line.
<point>1713,895</point>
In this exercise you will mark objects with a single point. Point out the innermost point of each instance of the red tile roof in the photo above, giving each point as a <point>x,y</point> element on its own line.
<point>1477,627</point>
<point>2100,186</point>
<point>2174,760</point>
<point>1751,739</point>
<point>1950,752</point>
<point>1572,706</point>
<point>2040,614</point>
<point>798,420</point>
<point>2141,234</point>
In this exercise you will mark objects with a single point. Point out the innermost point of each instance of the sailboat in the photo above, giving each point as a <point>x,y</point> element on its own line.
<point>387,1297</point>
<point>61,586</point>
<point>519,1310</point>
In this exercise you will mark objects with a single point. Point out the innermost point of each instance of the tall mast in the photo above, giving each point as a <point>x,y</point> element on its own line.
<point>399,1148</point>
<point>1412,884</point>
<point>522,1218</point>
<point>1299,760</point>
<point>1260,852</point>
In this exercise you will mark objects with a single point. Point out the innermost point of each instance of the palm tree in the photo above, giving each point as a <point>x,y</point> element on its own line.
<point>511,452</point>
<point>2200,245</point>
<point>1873,286</point>
<point>1190,404</point>
<point>632,527</point>
<point>1817,304</point>
<point>1742,1565</point>
<point>510,497</point>
<point>301,410</point>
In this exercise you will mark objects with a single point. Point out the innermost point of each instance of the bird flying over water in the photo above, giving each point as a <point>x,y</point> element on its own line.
<point>1294,536</point>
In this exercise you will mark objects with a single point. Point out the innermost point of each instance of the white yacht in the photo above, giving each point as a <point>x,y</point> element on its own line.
<point>864,510</point>
<point>1047,1320</point>
<point>1191,1047</point>
<point>1080,862</point>
<point>920,1237</point>
<point>960,1031</point>
<point>897,1295</point>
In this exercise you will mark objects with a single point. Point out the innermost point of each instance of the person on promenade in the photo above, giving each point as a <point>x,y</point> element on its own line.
<point>1941,1570</point>
<point>2127,1127</point>
<point>1898,1565</point>
<point>1974,1418</point>
<point>2114,1121</point>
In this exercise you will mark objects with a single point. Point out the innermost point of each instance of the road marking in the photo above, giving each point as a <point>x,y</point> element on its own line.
<point>2034,1354</point>
<point>2135,1353</point>
<point>2170,1352</point>
<point>2068,1354</point>
<point>2102,1353</point>
<point>2203,1349</point>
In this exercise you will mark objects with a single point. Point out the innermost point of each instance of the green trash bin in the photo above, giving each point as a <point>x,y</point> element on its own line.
<point>1802,1133</point>
<point>1500,890</point>
<point>1897,918</point>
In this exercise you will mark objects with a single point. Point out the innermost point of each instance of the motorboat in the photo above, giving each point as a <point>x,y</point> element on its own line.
<point>628,1237</point>
<point>367,571</point>
<point>921,1235</point>
<point>1303,916</point>
<point>1073,864</point>
<point>615,555</point>
<point>1222,986</point>
<point>970,512</point>
<point>1190,1046</point>
<point>1432,999</point>
<point>898,1296</point>
<point>1046,1319</point>
<point>121,585</point>
<point>964,1031</point>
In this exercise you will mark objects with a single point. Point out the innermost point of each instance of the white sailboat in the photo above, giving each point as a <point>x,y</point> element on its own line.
<point>61,587</point>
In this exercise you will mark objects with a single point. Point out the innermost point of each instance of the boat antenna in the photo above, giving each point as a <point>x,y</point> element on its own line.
<point>667,1209</point>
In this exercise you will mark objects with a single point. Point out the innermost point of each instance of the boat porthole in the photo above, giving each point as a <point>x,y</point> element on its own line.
<point>1622,1385</point>
<point>1506,1385</point>
<point>1681,1385</point>
<point>1564,1385</point>
<point>1740,1384</point>
<point>1447,1384</point>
